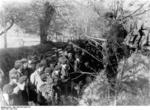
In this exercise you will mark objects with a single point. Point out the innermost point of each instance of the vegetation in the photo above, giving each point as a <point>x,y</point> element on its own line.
<point>117,27</point>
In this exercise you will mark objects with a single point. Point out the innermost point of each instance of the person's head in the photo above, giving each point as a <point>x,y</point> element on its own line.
<point>8,88</point>
<point>18,65</point>
<point>48,70</point>
<point>22,82</point>
<point>77,57</point>
<point>44,62</point>
<point>31,64</point>
<point>24,63</point>
<point>70,55</point>
<point>13,76</point>
<point>40,68</point>
<point>65,53</point>
<point>52,65</point>
<point>57,70</point>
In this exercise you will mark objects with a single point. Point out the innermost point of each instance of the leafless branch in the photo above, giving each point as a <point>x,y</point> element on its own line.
<point>134,11</point>
<point>5,30</point>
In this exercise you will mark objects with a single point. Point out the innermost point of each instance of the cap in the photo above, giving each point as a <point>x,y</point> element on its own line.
<point>39,65</point>
<point>62,60</point>
<point>48,70</point>
<point>57,67</point>
<point>24,60</point>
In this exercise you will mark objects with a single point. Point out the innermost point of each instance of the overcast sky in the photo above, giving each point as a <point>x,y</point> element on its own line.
<point>27,1</point>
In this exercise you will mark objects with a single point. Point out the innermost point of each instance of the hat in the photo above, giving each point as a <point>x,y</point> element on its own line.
<point>48,70</point>
<point>57,67</point>
<point>24,60</point>
<point>33,59</point>
<point>17,64</point>
<point>13,74</point>
<point>39,65</point>
<point>22,79</point>
<point>9,88</point>
<point>43,62</point>
<point>62,60</point>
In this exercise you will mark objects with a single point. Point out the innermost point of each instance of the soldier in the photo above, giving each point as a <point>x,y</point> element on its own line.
<point>13,76</point>
<point>2,99</point>
<point>32,61</point>
<point>16,96</point>
<point>41,93</point>
<point>77,63</point>
<point>36,82</point>
<point>8,94</point>
<point>24,62</point>
<point>56,84</point>
<point>47,90</point>
<point>17,69</point>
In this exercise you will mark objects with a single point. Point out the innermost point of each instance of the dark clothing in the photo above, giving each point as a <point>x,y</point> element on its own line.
<point>17,99</point>
<point>27,72</point>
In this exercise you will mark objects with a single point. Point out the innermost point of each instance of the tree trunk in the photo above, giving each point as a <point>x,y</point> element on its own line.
<point>43,32</point>
<point>5,40</point>
<point>45,22</point>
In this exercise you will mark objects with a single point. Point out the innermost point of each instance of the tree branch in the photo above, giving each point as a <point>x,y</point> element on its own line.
<point>4,31</point>
<point>134,11</point>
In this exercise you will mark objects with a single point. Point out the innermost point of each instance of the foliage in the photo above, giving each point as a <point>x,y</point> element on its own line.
<point>131,88</point>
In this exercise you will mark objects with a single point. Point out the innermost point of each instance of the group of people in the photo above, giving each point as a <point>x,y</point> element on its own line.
<point>38,81</point>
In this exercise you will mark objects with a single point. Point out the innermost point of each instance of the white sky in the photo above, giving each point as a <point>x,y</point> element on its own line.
<point>9,1</point>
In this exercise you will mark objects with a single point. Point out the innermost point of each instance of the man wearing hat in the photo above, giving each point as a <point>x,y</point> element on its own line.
<point>24,62</point>
<point>17,70</point>
<point>36,81</point>
<point>8,94</point>
<point>56,72</point>
<point>56,76</point>
<point>45,89</point>
<point>19,66</point>
<point>2,99</point>
<point>18,98</point>
<point>13,76</point>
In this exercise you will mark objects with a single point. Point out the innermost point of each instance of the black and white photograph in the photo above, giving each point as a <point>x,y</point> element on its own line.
<point>74,53</point>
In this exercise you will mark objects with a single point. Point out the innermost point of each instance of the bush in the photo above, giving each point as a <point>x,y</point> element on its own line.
<point>132,87</point>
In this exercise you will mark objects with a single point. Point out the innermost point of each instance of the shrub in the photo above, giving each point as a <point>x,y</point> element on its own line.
<point>132,87</point>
